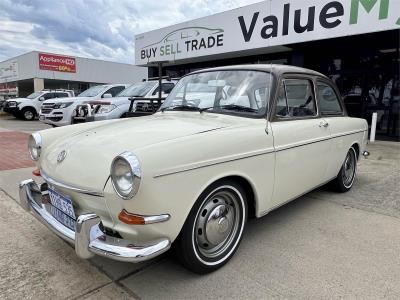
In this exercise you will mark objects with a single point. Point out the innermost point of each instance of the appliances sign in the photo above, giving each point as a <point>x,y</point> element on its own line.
<point>57,63</point>
<point>266,24</point>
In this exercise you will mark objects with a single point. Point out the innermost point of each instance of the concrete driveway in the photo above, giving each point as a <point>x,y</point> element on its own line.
<point>322,245</point>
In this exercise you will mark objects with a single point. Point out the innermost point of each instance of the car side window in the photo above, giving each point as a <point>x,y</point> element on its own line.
<point>47,96</point>
<point>61,95</point>
<point>328,100</point>
<point>166,88</point>
<point>296,99</point>
<point>115,90</point>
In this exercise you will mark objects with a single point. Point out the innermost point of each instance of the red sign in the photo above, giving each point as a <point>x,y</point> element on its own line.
<point>57,63</point>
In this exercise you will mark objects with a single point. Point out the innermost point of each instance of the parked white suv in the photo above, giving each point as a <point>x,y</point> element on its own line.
<point>28,108</point>
<point>117,107</point>
<point>58,112</point>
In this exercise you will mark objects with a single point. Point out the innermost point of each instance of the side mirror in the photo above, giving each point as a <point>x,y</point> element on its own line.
<point>41,99</point>
<point>107,96</point>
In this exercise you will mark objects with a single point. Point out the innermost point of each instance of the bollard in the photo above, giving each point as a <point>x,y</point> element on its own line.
<point>373,127</point>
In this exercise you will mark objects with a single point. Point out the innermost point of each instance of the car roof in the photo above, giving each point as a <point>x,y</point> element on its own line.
<point>273,68</point>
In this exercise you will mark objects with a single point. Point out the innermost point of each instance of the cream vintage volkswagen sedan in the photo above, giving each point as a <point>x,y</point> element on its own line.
<point>228,144</point>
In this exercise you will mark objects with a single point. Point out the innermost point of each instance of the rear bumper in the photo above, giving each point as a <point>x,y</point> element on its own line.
<point>88,238</point>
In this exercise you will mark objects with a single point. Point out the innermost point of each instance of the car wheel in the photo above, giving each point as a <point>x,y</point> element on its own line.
<point>345,179</point>
<point>28,114</point>
<point>214,228</point>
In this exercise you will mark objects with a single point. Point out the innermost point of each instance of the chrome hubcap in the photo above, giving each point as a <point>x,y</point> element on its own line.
<point>217,223</point>
<point>349,169</point>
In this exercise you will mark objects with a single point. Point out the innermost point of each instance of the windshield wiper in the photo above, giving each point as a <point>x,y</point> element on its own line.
<point>232,107</point>
<point>181,107</point>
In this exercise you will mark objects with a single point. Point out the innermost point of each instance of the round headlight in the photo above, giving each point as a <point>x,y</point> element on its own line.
<point>35,145</point>
<point>126,175</point>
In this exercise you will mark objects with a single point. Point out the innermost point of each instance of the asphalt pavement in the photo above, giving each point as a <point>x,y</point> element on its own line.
<point>322,245</point>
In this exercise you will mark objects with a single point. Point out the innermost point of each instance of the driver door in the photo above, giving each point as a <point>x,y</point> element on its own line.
<point>301,140</point>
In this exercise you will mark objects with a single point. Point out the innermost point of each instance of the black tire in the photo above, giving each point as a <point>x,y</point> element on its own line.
<point>123,116</point>
<point>347,174</point>
<point>205,246</point>
<point>28,114</point>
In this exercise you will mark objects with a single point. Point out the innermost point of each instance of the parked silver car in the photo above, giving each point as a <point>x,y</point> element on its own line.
<point>118,107</point>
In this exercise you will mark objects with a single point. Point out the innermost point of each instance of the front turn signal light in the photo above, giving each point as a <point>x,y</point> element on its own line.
<point>131,219</point>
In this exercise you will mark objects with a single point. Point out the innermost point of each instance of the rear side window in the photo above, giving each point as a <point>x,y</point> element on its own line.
<point>48,96</point>
<point>61,95</point>
<point>328,101</point>
<point>296,99</point>
<point>166,88</point>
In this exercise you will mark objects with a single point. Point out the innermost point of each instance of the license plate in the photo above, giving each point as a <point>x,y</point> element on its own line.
<point>62,203</point>
<point>42,118</point>
<point>62,218</point>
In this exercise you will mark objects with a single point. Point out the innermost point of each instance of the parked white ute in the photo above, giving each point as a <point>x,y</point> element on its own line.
<point>28,108</point>
<point>58,112</point>
<point>118,107</point>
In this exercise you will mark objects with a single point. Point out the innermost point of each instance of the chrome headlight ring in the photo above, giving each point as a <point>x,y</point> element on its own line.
<point>126,175</point>
<point>35,145</point>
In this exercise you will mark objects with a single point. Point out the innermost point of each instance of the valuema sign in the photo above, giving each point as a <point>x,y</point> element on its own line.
<point>266,24</point>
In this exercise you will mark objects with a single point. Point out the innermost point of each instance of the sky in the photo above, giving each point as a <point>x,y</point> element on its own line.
<point>101,29</point>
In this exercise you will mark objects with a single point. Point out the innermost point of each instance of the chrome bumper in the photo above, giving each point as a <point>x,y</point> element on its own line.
<point>87,238</point>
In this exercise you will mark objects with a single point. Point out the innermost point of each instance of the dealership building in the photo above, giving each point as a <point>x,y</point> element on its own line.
<point>354,42</point>
<point>35,71</point>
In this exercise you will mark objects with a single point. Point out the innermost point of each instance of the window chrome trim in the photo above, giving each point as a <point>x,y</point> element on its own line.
<point>60,184</point>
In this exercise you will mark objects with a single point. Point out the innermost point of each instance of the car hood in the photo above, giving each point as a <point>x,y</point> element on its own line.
<point>89,153</point>
<point>18,100</point>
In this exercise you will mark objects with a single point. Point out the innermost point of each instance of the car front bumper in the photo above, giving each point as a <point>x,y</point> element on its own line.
<point>88,238</point>
<point>11,110</point>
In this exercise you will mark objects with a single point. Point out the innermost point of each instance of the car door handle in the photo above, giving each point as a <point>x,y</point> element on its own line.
<point>323,124</point>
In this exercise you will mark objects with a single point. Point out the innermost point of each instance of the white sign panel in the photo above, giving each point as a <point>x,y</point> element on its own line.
<point>8,71</point>
<point>266,24</point>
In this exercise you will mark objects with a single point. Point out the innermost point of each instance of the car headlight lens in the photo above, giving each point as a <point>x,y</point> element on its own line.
<point>35,145</point>
<point>126,175</point>
<point>62,105</point>
<point>104,109</point>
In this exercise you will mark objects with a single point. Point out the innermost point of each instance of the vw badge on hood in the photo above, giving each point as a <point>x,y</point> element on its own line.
<point>61,156</point>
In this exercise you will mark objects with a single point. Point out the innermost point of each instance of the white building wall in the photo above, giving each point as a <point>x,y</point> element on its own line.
<point>87,70</point>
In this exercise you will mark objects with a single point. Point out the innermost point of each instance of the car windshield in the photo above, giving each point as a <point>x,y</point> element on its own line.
<point>232,91</point>
<point>34,95</point>
<point>92,92</point>
<point>137,89</point>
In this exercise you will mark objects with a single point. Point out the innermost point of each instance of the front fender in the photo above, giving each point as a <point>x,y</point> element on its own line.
<point>175,194</point>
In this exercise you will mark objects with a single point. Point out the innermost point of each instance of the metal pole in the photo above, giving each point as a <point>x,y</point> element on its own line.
<point>159,81</point>
<point>373,127</point>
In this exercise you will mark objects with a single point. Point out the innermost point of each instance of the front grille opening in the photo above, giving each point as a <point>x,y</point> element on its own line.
<point>110,232</point>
